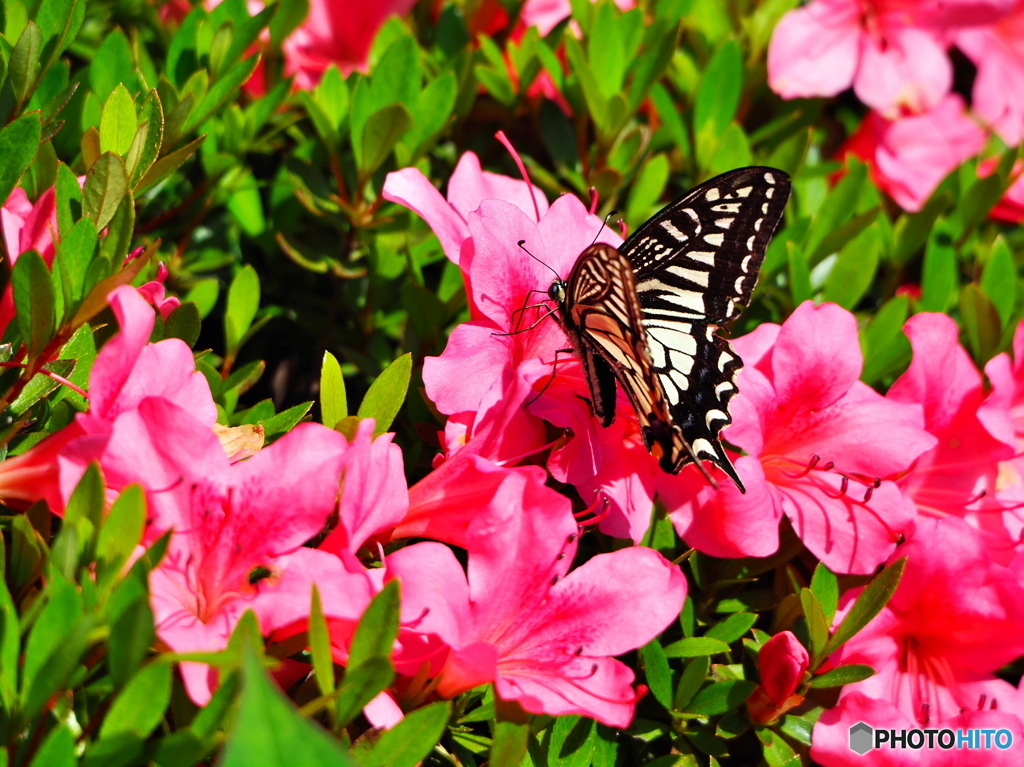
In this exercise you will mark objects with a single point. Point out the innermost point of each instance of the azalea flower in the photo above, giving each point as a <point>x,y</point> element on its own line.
<point>822,449</point>
<point>782,663</point>
<point>238,530</point>
<point>998,52</point>
<point>468,186</point>
<point>893,52</point>
<point>519,619</point>
<point>958,477</point>
<point>909,156</point>
<point>127,371</point>
<point>955,618</point>
<point>492,360</point>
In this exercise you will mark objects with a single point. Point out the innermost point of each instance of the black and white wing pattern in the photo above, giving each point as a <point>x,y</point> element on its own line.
<point>599,310</point>
<point>696,265</point>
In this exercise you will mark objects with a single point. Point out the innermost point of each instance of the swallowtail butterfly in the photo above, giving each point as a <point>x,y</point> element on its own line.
<point>648,313</point>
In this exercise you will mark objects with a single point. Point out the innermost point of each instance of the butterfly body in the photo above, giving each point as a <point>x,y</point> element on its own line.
<point>648,313</point>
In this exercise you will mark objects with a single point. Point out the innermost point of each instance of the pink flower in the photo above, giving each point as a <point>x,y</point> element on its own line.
<point>909,156</point>
<point>822,448</point>
<point>467,188</point>
<point>543,636</point>
<point>231,521</point>
<point>782,663</point>
<point>955,618</point>
<point>998,52</point>
<point>958,477</point>
<point>483,364</point>
<point>374,495</point>
<point>893,52</point>
<point>337,32</point>
<point>127,371</point>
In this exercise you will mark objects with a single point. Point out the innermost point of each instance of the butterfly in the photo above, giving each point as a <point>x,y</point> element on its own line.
<point>648,314</point>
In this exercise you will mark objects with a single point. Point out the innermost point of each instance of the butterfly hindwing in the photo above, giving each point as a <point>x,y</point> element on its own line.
<point>601,314</point>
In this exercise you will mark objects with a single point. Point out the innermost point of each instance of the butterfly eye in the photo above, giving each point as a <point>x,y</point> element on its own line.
<point>557,291</point>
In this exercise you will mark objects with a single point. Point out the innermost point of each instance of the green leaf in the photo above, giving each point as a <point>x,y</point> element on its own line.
<point>140,706</point>
<point>647,189</point>
<point>597,105</point>
<point>841,675</point>
<point>148,139</point>
<point>74,254</point>
<point>59,22</point>
<point>377,629</point>
<point>320,646</point>
<point>69,199</point>
<point>817,625</point>
<point>867,605</point>
<point>362,684</point>
<point>105,187</point>
<point>118,123</point>
<point>691,680</point>
<point>131,635</point>
<point>733,627</point>
<point>659,675</point>
<point>333,400</point>
<point>799,274</point>
<point>224,88</point>
<point>18,144</point>
<point>694,647</point>
<point>34,301</point>
<point>243,303</point>
<point>847,233</point>
<point>999,280</point>
<point>825,587</point>
<point>410,741</point>
<point>510,744</point>
<point>184,323</point>
<point>87,499</point>
<point>839,207</point>
<point>939,275</point>
<point>883,341</point>
<point>717,97</point>
<point>58,750</point>
<point>268,731</point>
<point>385,396</point>
<point>121,531</point>
<point>720,697</point>
<point>118,240</point>
<point>606,50</point>
<point>24,66</point>
<point>167,164</point>
<point>383,130</point>
<point>777,752</point>
<point>912,230</point>
<point>981,323</point>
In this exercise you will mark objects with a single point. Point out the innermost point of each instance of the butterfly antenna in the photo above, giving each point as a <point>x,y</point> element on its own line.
<point>522,246</point>
<point>604,223</point>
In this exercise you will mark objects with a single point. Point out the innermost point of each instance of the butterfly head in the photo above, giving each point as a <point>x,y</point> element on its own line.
<point>557,292</point>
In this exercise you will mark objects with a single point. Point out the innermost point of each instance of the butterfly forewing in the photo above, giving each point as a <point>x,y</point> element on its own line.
<point>696,264</point>
<point>602,315</point>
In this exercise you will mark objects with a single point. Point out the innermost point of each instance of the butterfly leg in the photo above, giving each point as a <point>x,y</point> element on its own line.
<point>521,311</point>
<point>526,330</point>
<point>551,378</point>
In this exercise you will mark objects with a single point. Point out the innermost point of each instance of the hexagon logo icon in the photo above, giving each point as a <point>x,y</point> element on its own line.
<point>861,737</point>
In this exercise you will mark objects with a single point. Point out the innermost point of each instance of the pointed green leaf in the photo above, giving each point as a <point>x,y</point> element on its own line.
<point>118,123</point>
<point>333,399</point>
<point>18,144</point>
<point>867,605</point>
<point>409,742</point>
<point>841,675</point>
<point>34,301</point>
<point>105,187</point>
<point>268,731</point>
<point>387,394</point>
